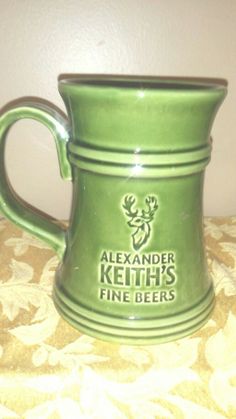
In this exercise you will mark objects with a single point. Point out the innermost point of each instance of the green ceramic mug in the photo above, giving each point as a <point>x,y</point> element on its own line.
<point>133,267</point>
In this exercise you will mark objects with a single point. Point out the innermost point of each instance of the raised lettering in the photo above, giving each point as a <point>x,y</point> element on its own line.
<point>163,296</point>
<point>136,260</point>
<point>104,257</point>
<point>171,295</point>
<point>150,276</point>
<point>170,271</point>
<point>137,278</point>
<point>138,297</point>
<point>118,270</point>
<point>127,277</point>
<point>119,257</point>
<point>105,271</point>
<point>127,258</point>
<point>111,260</point>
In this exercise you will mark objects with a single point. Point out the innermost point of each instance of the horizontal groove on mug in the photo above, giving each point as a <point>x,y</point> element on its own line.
<point>84,310</point>
<point>131,165</point>
<point>139,158</point>
<point>74,142</point>
<point>137,170</point>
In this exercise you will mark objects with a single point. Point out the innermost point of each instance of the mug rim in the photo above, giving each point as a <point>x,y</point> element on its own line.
<point>151,83</point>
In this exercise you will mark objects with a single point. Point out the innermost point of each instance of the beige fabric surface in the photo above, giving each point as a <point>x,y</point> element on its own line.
<point>50,370</point>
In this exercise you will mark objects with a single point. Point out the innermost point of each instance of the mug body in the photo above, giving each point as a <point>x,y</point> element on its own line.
<point>134,270</point>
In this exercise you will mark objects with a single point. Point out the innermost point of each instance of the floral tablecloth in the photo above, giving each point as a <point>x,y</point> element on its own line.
<point>49,370</point>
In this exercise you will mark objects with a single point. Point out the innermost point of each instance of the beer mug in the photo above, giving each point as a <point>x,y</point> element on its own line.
<point>132,260</point>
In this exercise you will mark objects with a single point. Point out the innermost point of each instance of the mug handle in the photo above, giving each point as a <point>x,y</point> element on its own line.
<point>11,205</point>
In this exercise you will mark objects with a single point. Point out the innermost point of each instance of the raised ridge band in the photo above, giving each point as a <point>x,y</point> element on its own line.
<point>139,164</point>
<point>137,157</point>
<point>144,331</point>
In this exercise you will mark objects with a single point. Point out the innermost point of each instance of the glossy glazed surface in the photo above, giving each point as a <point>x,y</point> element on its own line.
<point>134,266</point>
<point>11,204</point>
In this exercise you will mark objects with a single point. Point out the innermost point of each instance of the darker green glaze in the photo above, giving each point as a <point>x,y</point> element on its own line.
<point>133,261</point>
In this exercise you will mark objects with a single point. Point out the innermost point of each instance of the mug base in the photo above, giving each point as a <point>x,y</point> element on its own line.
<point>136,331</point>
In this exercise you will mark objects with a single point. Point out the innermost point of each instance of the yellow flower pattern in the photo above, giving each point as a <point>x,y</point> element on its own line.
<point>49,370</point>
